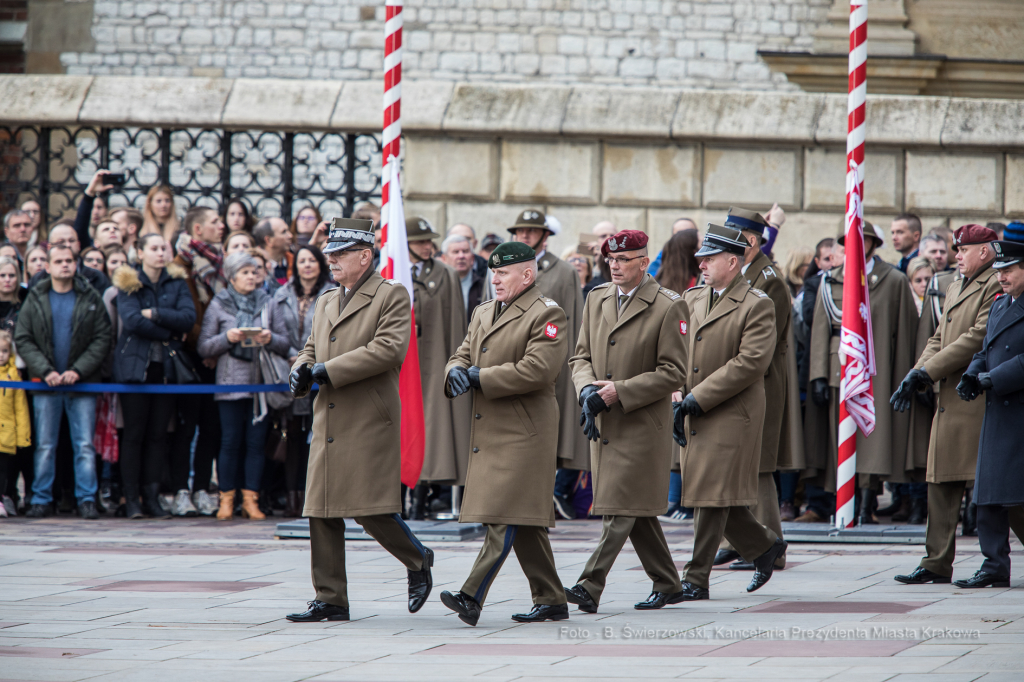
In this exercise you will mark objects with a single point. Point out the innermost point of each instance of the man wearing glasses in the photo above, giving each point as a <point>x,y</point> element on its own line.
<point>630,357</point>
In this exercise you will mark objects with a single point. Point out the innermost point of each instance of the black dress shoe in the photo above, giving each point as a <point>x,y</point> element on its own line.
<point>658,600</point>
<point>764,565</point>
<point>691,592</point>
<point>39,511</point>
<point>922,576</point>
<point>543,612</point>
<point>724,556</point>
<point>133,510</point>
<point>982,579</point>
<point>464,605</point>
<point>578,595</point>
<point>318,611</point>
<point>87,510</point>
<point>420,583</point>
<point>741,565</point>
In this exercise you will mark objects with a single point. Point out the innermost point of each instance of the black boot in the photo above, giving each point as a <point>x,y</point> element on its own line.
<point>868,504</point>
<point>970,528</point>
<point>897,501</point>
<point>418,510</point>
<point>918,511</point>
<point>150,503</point>
<point>904,511</point>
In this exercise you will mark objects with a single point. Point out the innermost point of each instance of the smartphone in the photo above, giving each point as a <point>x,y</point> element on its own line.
<point>115,178</point>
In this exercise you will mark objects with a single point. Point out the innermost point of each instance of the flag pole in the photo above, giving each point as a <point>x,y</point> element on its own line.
<point>855,345</point>
<point>392,131</point>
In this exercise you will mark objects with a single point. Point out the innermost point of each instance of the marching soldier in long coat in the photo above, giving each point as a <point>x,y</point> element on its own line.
<point>558,281</point>
<point>440,328</point>
<point>883,454</point>
<point>731,335</point>
<point>956,425</point>
<point>630,357</point>
<point>997,372</point>
<point>515,348</point>
<point>358,342</point>
<point>760,274</point>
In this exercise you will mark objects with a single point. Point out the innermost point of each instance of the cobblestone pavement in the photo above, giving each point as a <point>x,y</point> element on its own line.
<point>197,599</point>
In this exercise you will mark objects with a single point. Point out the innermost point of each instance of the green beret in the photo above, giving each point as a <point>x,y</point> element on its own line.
<point>510,253</point>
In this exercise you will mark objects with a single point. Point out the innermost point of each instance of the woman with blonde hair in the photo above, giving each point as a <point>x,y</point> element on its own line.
<point>160,216</point>
<point>920,271</point>
<point>796,266</point>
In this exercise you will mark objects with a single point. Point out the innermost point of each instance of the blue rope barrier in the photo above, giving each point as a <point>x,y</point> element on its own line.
<point>177,389</point>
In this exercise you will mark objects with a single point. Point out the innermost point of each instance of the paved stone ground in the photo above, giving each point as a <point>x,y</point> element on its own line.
<point>197,599</point>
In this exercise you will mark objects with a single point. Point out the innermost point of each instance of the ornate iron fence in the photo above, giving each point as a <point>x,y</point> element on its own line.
<point>277,173</point>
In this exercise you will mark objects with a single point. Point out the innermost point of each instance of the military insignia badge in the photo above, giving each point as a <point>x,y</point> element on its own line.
<point>550,331</point>
<point>682,327</point>
<point>998,247</point>
<point>495,260</point>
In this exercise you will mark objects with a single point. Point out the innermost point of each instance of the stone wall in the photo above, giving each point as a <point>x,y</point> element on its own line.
<point>688,43</point>
<point>480,153</point>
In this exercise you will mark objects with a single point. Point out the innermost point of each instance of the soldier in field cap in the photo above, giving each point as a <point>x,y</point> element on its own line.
<point>559,281</point>
<point>516,346</point>
<point>355,350</point>
<point>440,328</point>
<point>630,357</point>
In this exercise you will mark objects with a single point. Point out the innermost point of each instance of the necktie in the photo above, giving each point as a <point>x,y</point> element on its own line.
<point>714,300</point>
<point>623,299</point>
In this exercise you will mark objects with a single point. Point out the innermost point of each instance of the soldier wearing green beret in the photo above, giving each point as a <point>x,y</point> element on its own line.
<point>440,328</point>
<point>516,346</point>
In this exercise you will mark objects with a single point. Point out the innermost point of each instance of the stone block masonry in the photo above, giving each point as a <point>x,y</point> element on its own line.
<point>678,43</point>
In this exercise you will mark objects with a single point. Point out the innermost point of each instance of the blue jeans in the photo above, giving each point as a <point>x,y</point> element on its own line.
<point>81,411</point>
<point>241,441</point>
<point>675,488</point>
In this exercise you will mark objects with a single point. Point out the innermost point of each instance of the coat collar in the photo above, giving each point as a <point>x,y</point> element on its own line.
<point>360,299</point>
<point>979,282</point>
<point>756,267</point>
<point>515,310</point>
<point>729,301</point>
<point>647,291</point>
<point>1011,315</point>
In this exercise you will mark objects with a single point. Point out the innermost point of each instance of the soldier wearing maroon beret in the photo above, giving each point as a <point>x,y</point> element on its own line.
<point>956,425</point>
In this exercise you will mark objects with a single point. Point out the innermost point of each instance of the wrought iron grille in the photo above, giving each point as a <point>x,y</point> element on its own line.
<point>277,173</point>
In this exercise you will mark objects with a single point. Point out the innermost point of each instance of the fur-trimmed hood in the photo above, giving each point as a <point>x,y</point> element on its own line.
<point>126,278</point>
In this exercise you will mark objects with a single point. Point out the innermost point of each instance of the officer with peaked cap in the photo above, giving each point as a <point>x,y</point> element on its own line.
<point>440,328</point>
<point>997,372</point>
<point>956,425</point>
<point>731,335</point>
<point>515,348</point>
<point>559,281</point>
<point>760,273</point>
<point>630,357</point>
<point>883,455</point>
<point>355,350</point>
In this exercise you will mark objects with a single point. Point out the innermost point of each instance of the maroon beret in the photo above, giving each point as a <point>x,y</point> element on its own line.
<point>627,240</point>
<point>973,234</point>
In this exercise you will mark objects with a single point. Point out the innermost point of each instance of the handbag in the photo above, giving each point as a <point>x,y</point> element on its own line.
<point>274,369</point>
<point>184,371</point>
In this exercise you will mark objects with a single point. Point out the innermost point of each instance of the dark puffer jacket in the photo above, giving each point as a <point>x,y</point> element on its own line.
<point>173,316</point>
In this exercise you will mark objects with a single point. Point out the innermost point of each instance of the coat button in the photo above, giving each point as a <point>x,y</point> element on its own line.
<point>330,440</point>
<point>604,442</point>
<point>476,449</point>
<point>1006,403</point>
<point>698,338</point>
<point>483,350</point>
<point>1007,348</point>
<point>693,433</point>
<point>949,318</point>
<point>330,405</point>
<point>334,338</point>
<point>695,370</point>
<point>612,342</point>
<point>477,416</point>
<point>608,375</point>
<point>942,409</point>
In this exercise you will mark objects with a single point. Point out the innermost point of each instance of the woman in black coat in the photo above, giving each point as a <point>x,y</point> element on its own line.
<point>156,312</point>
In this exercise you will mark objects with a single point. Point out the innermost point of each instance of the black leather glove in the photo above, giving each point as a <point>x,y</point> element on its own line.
<point>585,393</point>
<point>589,423</point>
<point>985,381</point>
<point>595,404</point>
<point>926,398</point>
<point>458,380</point>
<point>300,379</point>
<point>474,377</point>
<point>820,392</point>
<point>320,374</point>
<point>915,379</point>
<point>678,425</point>
<point>969,388</point>
<point>689,406</point>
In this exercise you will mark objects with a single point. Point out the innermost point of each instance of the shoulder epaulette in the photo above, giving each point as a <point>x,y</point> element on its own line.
<point>668,292</point>
<point>696,286</point>
<point>603,285</point>
<point>392,281</point>
<point>549,303</point>
<point>758,292</point>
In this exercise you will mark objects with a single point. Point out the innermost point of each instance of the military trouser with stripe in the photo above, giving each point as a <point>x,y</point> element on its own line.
<point>534,553</point>
<point>651,548</point>
<point>327,542</point>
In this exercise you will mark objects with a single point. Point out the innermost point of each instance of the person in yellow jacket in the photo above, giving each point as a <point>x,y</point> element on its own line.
<point>15,430</point>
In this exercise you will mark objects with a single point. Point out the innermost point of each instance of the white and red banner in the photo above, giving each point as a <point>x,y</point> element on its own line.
<point>394,255</point>
<point>856,347</point>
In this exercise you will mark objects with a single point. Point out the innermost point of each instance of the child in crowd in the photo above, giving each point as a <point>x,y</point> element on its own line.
<point>15,431</point>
